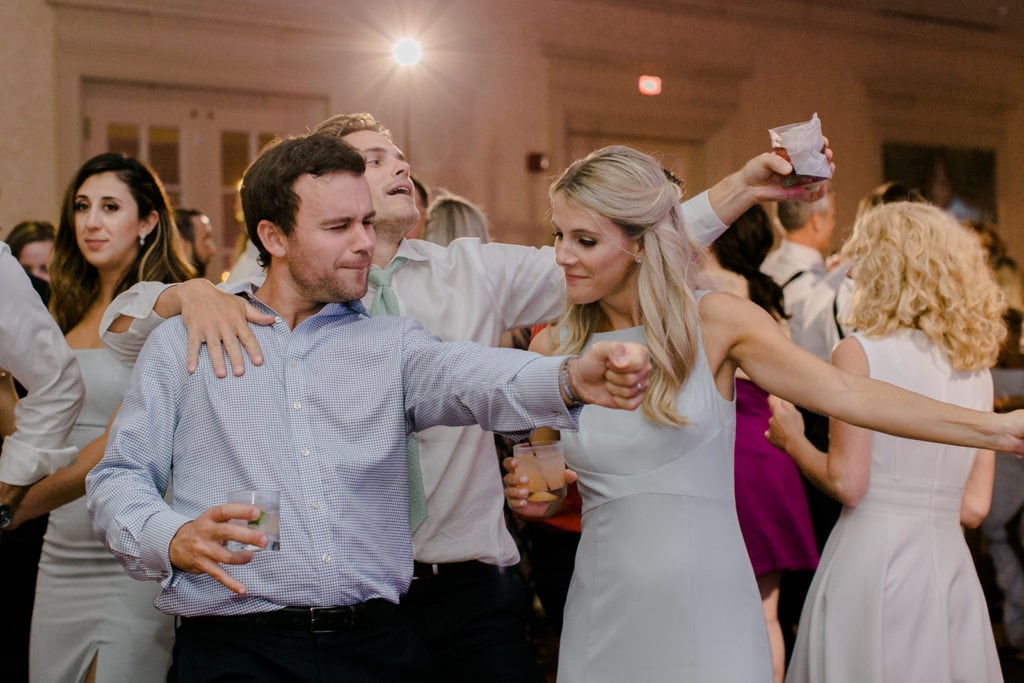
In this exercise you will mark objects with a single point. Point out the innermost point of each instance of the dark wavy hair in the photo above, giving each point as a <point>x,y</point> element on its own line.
<point>742,248</point>
<point>74,281</point>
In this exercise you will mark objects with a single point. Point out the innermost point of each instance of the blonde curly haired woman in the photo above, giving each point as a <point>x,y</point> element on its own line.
<point>896,596</point>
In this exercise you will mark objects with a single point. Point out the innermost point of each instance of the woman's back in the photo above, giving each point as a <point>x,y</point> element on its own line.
<point>896,596</point>
<point>908,360</point>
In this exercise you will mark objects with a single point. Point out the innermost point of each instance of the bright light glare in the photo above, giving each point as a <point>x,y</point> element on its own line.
<point>649,85</point>
<point>407,52</point>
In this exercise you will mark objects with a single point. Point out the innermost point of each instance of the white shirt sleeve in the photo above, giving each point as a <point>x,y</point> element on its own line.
<point>527,284</point>
<point>137,303</point>
<point>33,349</point>
<point>701,221</point>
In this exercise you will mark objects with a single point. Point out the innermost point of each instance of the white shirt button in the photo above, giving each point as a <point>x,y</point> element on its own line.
<point>304,452</point>
<point>315,505</point>
<point>326,557</point>
<point>297,405</point>
<point>293,363</point>
<point>278,319</point>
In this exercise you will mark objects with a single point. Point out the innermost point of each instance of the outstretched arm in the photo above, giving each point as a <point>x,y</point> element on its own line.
<point>211,316</point>
<point>738,333</point>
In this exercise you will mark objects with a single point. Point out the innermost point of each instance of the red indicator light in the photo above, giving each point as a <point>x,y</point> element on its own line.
<point>649,85</point>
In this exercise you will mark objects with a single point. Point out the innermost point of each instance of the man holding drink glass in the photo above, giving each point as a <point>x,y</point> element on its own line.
<point>325,606</point>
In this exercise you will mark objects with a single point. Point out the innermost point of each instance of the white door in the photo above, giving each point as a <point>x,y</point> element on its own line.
<point>198,141</point>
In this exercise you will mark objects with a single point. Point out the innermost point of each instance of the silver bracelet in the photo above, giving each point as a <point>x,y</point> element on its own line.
<point>565,382</point>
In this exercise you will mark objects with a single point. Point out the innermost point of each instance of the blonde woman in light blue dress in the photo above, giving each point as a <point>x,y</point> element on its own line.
<point>663,589</point>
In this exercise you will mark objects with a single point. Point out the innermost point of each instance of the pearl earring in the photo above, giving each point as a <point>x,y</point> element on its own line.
<point>142,240</point>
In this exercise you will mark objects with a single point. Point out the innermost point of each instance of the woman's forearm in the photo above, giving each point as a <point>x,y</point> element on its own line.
<point>61,487</point>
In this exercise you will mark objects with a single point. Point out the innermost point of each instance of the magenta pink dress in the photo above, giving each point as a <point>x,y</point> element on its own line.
<point>770,499</point>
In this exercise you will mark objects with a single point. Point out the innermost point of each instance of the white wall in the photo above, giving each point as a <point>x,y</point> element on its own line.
<point>28,104</point>
<point>503,78</point>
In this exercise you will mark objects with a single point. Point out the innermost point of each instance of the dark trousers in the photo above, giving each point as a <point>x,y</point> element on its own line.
<point>824,514</point>
<point>552,554</point>
<point>19,561</point>
<point>377,650</point>
<point>472,618</point>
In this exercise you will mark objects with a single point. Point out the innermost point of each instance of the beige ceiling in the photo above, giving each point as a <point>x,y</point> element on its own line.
<point>984,15</point>
<point>997,18</point>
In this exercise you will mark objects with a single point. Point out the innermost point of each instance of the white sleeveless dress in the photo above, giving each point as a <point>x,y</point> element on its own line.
<point>663,590</point>
<point>85,604</point>
<point>896,597</point>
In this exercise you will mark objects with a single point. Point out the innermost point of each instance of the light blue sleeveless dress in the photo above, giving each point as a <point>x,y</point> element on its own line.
<point>85,604</point>
<point>663,590</point>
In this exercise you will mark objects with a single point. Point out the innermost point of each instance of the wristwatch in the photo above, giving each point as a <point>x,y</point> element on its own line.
<point>6,515</point>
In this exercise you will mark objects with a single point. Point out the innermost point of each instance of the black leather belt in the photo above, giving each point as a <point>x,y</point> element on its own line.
<point>311,619</point>
<point>421,570</point>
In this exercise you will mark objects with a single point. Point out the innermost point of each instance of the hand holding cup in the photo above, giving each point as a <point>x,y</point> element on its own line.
<point>543,466</point>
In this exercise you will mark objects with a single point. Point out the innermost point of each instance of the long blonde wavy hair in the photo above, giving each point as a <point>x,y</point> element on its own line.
<point>916,267</point>
<point>630,189</point>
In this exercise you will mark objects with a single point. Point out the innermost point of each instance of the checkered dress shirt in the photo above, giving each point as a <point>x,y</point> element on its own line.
<point>324,421</point>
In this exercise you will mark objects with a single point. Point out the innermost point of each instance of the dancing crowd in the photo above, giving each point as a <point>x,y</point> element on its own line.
<point>773,450</point>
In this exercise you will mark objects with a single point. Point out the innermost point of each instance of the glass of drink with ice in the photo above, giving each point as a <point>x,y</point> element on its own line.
<point>268,523</point>
<point>543,463</point>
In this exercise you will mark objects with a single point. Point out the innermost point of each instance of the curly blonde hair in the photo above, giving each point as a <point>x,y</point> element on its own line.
<point>916,267</point>
<point>630,189</point>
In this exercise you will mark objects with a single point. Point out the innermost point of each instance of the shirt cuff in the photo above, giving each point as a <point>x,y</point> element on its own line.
<point>701,221</point>
<point>155,544</point>
<point>23,465</point>
<point>544,396</point>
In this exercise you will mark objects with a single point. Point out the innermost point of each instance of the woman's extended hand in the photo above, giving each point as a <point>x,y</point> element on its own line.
<point>786,425</point>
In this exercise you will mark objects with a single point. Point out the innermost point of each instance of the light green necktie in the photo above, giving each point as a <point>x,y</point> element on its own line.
<point>386,303</point>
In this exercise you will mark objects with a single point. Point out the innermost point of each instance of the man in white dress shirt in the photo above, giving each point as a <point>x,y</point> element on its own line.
<point>467,603</point>
<point>33,349</point>
<point>798,266</point>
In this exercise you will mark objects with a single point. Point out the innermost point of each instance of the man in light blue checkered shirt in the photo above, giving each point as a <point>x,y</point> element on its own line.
<point>323,421</point>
